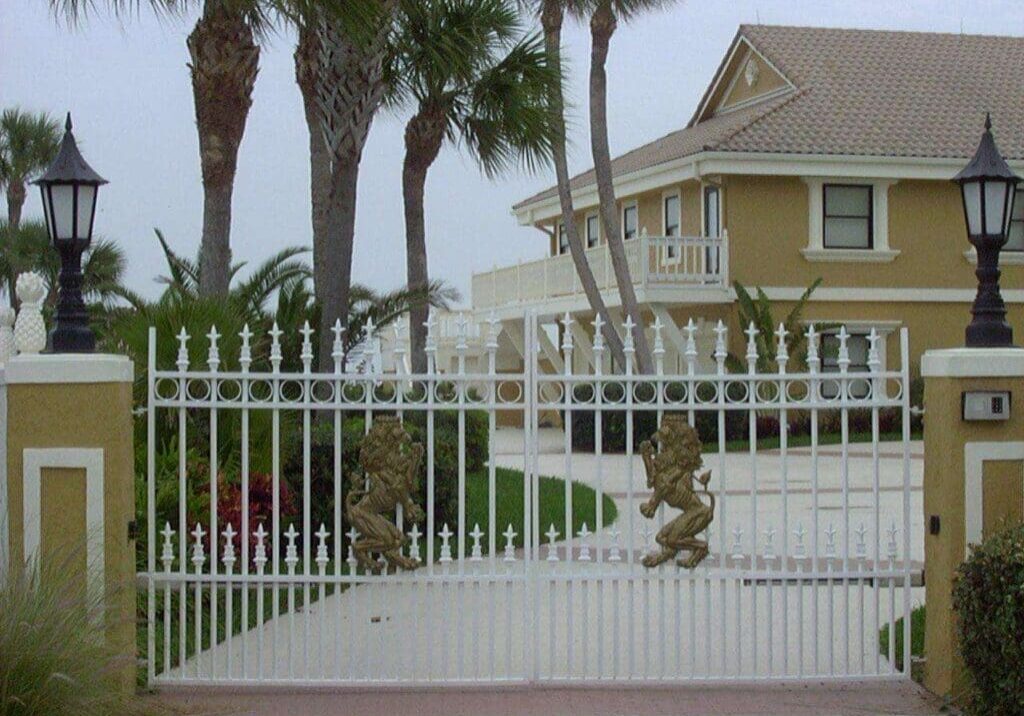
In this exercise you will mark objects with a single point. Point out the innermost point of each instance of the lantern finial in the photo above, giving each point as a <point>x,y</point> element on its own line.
<point>67,123</point>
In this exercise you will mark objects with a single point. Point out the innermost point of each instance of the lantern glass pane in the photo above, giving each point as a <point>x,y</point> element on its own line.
<point>86,199</point>
<point>63,198</point>
<point>972,206</point>
<point>45,192</point>
<point>995,206</point>
<point>1012,209</point>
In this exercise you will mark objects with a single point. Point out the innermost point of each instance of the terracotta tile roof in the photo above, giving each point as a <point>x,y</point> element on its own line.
<point>865,92</point>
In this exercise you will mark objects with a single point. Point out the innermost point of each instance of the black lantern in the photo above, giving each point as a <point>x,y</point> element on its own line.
<point>69,188</point>
<point>988,187</point>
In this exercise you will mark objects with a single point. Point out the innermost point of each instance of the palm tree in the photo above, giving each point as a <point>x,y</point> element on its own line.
<point>472,78</point>
<point>28,248</point>
<point>552,15</point>
<point>350,87</point>
<point>224,60</point>
<point>28,143</point>
<point>602,25</point>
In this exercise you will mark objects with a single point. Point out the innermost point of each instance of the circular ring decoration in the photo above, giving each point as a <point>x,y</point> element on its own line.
<point>509,391</point>
<point>229,391</point>
<point>322,391</point>
<point>197,389</point>
<point>292,391</point>
<point>261,390</point>
<point>166,389</point>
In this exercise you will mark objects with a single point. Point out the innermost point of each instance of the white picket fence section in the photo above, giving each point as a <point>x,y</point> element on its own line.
<point>793,588</point>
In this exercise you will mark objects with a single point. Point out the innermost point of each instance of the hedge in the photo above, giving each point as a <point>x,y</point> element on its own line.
<point>988,598</point>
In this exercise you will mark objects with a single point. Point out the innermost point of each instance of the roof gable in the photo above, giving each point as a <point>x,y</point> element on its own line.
<point>744,77</point>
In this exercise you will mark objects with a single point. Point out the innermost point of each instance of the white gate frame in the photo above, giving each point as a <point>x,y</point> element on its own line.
<point>582,610</point>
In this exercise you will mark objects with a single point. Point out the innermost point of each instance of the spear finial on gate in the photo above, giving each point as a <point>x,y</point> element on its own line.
<point>721,332</point>
<point>245,354</point>
<point>414,542</point>
<point>874,358</point>
<point>213,358</point>
<point>830,541</point>
<point>321,547</point>
<point>476,554</point>
<point>198,550</point>
<point>291,552</point>
<point>567,342</point>
<point>844,350</point>
<point>598,324</point>
<point>350,557</point>
<point>167,554</point>
<point>737,543</point>
<point>183,339</point>
<point>338,346</point>
<point>228,557</point>
<point>584,535</point>
<point>446,548</point>
<point>307,347</point>
<point>813,361</point>
<point>769,543</point>
<point>614,552</point>
<point>751,348</point>
<point>691,346</point>
<point>260,558</point>
<point>892,531</point>
<point>552,535</point>
<point>782,350</point>
<point>800,551</point>
<point>510,547</point>
<point>494,326</point>
<point>275,348</point>
<point>862,546</point>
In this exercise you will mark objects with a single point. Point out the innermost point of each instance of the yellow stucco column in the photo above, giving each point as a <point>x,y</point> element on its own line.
<point>68,489</point>
<point>973,479</point>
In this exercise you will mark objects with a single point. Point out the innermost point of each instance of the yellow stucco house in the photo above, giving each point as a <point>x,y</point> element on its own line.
<point>813,153</point>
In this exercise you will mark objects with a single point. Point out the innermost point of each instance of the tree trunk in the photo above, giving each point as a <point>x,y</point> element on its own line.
<point>602,26</point>
<point>349,87</point>
<point>306,68</point>
<point>551,20</point>
<point>15,201</point>
<point>225,60</point>
<point>424,135</point>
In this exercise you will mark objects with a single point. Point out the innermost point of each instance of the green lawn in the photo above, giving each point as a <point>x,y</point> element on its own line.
<point>509,509</point>
<point>917,618</point>
<point>805,441</point>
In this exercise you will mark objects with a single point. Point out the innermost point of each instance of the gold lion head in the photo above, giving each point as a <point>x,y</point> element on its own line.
<point>680,444</point>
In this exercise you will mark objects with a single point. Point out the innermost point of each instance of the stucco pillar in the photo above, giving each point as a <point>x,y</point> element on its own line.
<point>68,489</point>
<point>973,476</point>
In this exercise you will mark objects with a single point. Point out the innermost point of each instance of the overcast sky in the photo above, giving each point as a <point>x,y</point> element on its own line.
<point>128,88</point>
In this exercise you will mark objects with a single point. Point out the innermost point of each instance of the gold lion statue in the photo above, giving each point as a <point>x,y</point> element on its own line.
<point>671,474</point>
<point>390,462</point>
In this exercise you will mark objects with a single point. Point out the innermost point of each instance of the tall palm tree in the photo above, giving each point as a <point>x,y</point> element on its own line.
<point>603,22</point>
<point>473,78</point>
<point>552,16</point>
<point>350,87</point>
<point>28,143</point>
<point>223,61</point>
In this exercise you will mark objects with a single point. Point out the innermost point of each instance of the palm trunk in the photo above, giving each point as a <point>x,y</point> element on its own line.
<point>15,201</point>
<point>424,135</point>
<point>225,60</point>
<point>602,26</point>
<point>551,20</point>
<point>306,67</point>
<point>350,87</point>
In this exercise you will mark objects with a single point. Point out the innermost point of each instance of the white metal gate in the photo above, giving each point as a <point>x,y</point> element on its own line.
<point>251,575</point>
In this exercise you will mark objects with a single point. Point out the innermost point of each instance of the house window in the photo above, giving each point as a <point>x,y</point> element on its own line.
<point>848,222</point>
<point>670,219</point>
<point>1015,239</point>
<point>857,345</point>
<point>629,221</point>
<point>712,212</point>
<point>593,231</point>
<point>563,240</point>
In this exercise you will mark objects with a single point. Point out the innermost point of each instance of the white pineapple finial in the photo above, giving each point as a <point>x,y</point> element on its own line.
<point>198,550</point>
<point>782,350</point>
<point>751,332</point>
<point>721,333</point>
<point>321,547</point>
<point>813,360</point>
<point>213,356</point>
<point>6,334</point>
<point>291,552</point>
<point>260,551</point>
<point>29,328</point>
<point>228,557</point>
<point>275,348</point>
<point>614,551</point>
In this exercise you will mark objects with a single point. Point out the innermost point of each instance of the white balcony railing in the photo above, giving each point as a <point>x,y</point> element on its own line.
<point>653,261</point>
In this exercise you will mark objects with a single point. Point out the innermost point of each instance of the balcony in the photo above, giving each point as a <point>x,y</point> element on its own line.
<point>664,269</point>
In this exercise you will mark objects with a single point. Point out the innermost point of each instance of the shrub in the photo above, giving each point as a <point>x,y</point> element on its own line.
<point>988,598</point>
<point>917,622</point>
<point>54,660</point>
<point>446,461</point>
